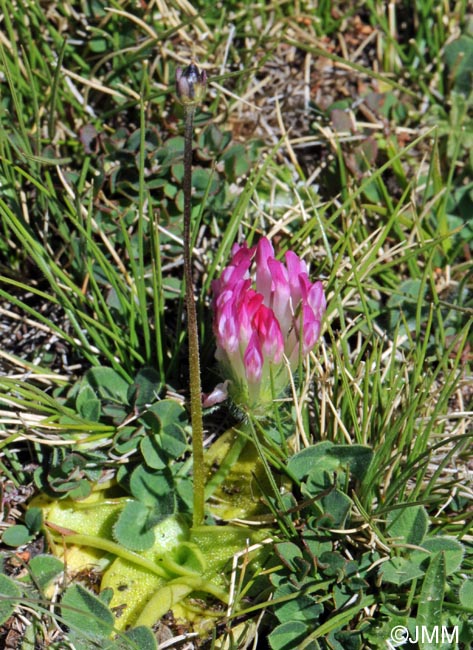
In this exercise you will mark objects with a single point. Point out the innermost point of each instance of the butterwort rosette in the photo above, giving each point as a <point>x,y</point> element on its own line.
<point>267,315</point>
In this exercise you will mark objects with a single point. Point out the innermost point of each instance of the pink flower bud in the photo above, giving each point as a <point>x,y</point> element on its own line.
<point>280,300</point>
<point>269,334</point>
<point>310,329</point>
<point>316,299</point>
<point>253,360</point>
<point>295,268</point>
<point>264,251</point>
<point>190,84</point>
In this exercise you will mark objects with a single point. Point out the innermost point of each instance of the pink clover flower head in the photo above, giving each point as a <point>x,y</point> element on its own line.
<point>264,310</point>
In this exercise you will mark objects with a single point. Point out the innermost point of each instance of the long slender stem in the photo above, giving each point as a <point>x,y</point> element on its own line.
<point>192,331</point>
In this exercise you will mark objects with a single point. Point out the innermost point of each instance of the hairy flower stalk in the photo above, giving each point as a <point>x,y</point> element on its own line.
<point>264,322</point>
<point>190,86</point>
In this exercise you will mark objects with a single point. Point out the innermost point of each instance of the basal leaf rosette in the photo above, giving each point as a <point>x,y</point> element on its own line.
<point>267,314</point>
